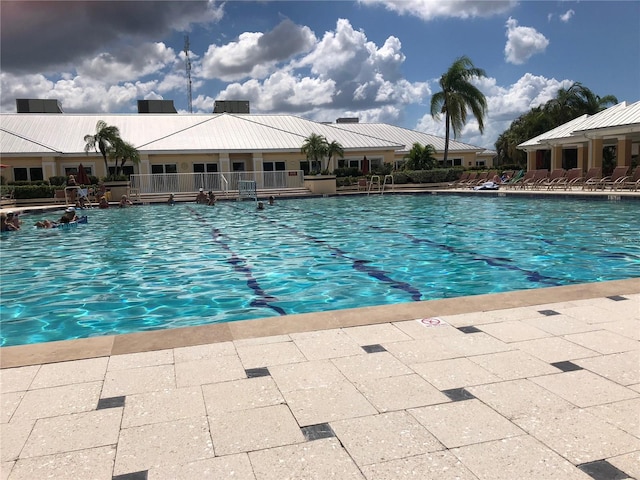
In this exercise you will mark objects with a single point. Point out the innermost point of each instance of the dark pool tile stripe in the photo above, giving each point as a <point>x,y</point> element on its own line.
<point>602,470</point>
<point>548,313</point>
<point>374,348</point>
<point>617,298</point>
<point>141,475</point>
<point>469,329</point>
<point>257,372</point>
<point>111,402</point>
<point>567,366</point>
<point>316,432</point>
<point>458,394</point>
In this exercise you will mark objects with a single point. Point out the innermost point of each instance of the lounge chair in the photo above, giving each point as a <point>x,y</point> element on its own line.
<point>632,182</point>
<point>593,176</point>
<point>572,176</point>
<point>517,182</point>
<point>481,178</point>
<point>463,178</point>
<point>538,176</point>
<point>555,177</point>
<point>473,177</point>
<point>618,175</point>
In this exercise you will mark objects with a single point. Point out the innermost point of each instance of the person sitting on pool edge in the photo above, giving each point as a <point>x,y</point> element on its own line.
<point>124,202</point>
<point>202,197</point>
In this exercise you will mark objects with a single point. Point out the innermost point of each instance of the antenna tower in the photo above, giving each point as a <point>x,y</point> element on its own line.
<point>187,62</point>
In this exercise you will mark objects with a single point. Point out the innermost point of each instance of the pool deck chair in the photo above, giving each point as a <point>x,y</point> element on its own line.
<point>617,176</point>
<point>573,175</point>
<point>591,179</point>
<point>471,180</point>
<point>463,178</point>
<point>632,182</point>
<point>537,177</point>
<point>517,182</point>
<point>555,177</point>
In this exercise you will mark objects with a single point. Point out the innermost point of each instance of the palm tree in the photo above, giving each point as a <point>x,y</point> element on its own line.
<point>575,101</point>
<point>102,141</point>
<point>457,96</point>
<point>334,149</point>
<point>123,151</point>
<point>420,158</point>
<point>315,147</point>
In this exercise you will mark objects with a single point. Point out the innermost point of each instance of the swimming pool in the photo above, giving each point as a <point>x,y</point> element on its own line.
<point>156,267</point>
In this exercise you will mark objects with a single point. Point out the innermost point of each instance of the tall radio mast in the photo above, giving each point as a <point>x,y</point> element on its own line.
<point>187,62</point>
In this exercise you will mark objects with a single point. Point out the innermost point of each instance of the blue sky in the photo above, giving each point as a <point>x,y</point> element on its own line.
<point>378,60</point>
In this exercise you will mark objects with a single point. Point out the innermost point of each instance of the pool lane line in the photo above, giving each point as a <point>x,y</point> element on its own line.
<point>356,264</point>
<point>239,264</point>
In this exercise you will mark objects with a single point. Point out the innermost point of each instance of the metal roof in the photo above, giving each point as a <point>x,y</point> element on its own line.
<point>46,134</point>
<point>405,136</point>
<point>620,115</point>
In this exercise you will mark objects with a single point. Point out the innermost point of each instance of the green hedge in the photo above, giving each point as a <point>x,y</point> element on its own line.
<point>34,191</point>
<point>437,175</point>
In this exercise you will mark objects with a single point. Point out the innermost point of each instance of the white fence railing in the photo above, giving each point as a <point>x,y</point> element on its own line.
<point>217,182</point>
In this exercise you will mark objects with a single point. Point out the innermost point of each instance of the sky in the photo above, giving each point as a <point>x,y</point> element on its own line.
<point>378,60</point>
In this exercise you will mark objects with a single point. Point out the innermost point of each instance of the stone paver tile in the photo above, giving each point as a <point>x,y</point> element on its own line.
<point>592,312</point>
<point>163,444</point>
<point>388,436</point>
<point>518,398</point>
<point>199,352</point>
<point>65,373</point>
<point>142,359</point>
<point>625,414</point>
<point>305,375</point>
<point>554,349</point>
<point>583,388</point>
<point>453,373</point>
<point>319,405</point>
<point>513,364</point>
<point>513,331</point>
<point>626,328</point>
<point>456,424</point>
<point>318,460</point>
<point>401,392</point>
<point>560,324</point>
<point>241,395</point>
<point>268,354</point>
<point>163,406</point>
<point>417,330</point>
<point>603,341</point>
<point>13,437</point>
<point>229,466</point>
<point>517,457</point>
<point>78,431</point>
<point>324,344</point>
<point>255,429</point>
<point>8,404</point>
<point>467,319</point>
<point>622,368</point>
<point>244,342</point>
<point>17,379</point>
<point>629,463</point>
<point>635,387</point>
<point>93,463</point>
<point>376,334</point>
<point>629,308</point>
<point>138,380</point>
<point>5,470</point>
<point>50,402</point>
<point>519,313</point>
<point>475,344</point>
<point>205,371</point>
<point>366,367</point>
<point>420,351</point>
<point>579,436</point>
<point>435,465</point>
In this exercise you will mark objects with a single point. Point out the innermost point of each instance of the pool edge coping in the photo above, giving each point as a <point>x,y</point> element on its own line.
<point>102,346</point>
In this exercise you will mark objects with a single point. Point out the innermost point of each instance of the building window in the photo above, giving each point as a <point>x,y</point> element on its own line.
<point>304,166</point>
<point>480,163</point>
<point>205,167</point>
<point>274,166</point>
<point>32,174</point>
<point>238,166</point>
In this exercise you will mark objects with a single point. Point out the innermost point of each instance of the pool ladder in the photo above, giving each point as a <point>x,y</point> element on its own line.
<point>375,181</point>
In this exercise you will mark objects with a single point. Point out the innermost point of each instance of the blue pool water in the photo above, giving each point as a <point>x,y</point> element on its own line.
<point>156,267</point>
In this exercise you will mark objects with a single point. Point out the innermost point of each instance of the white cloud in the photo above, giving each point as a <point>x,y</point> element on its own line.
<point>256,54</point>
<point>431,9</point>
<point>565,17</point>
<point>522,42</point>
<point>504,104</point>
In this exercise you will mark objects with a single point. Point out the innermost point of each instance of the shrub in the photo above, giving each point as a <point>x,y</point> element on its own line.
<point>33,191</point>
<point>347,172</point>
<point>58,180</point>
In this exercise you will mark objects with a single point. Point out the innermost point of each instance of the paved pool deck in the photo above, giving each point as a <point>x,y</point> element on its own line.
<point>537,384</point>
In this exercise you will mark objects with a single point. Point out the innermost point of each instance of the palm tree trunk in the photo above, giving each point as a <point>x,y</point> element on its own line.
<point>446,140</point>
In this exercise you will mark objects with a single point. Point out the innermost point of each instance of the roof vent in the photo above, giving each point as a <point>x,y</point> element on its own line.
<point>348,120</point>
<point>38,105</point>
<point>156,106</point>
<point>231,106</point>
